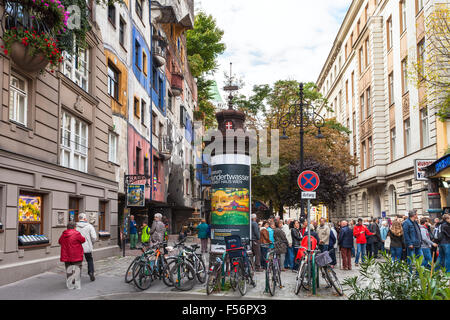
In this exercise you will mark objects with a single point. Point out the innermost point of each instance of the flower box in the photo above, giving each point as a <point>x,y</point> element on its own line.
<point>21,55</point>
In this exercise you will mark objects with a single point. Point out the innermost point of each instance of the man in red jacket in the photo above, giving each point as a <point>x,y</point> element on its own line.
<point>360,232</point>
<point>72,255</point>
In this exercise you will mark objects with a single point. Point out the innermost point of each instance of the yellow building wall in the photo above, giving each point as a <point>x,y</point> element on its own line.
<point>119,106</point>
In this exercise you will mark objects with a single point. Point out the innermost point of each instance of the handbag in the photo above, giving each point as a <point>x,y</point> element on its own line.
<point>387,242</point>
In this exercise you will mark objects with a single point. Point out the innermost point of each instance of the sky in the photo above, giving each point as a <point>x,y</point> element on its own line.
<point>270,40</point>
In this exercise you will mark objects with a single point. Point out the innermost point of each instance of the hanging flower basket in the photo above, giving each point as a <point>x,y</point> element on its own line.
<point>31,51</point>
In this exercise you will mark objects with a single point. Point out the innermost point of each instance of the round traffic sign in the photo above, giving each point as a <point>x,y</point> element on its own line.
<point>308,181</point>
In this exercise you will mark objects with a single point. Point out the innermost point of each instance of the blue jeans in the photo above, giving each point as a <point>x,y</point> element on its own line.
<point>353,251</point>
<point>289,261</point>
<point>443,260</point>
<point>426,257</point>
<point>396,253</point>
<point>263,257</point>
<point>360,251</point>
<point>417,252</point>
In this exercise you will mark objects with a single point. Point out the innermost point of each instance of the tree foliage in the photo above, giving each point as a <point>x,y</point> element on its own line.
<point>203,48</point>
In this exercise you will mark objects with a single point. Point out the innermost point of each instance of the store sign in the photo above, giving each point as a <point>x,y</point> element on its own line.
<point>419,168</point>
<point>136,195</point>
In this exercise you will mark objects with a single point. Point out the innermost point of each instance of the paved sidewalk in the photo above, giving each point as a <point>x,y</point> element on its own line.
<point>110,284</point>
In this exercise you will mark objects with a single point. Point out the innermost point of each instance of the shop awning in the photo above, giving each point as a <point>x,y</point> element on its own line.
<point>439,169</point>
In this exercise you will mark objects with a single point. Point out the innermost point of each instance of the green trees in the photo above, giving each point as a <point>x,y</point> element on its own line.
<point>203,48</point>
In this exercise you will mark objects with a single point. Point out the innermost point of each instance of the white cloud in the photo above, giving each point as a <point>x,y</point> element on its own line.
<point>273,40</point>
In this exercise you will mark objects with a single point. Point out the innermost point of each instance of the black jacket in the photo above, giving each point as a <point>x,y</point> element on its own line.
<point>445,229</point>
<point>255,231</point>
<point>345,238</point>
<point>396,241</point>
<point>373,227</point>
<point>296,237</point>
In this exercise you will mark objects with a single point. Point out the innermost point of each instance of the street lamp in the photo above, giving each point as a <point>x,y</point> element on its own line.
<point>301,115</point>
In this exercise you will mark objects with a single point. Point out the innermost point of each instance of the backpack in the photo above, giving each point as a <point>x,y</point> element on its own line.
<point>437,233</point>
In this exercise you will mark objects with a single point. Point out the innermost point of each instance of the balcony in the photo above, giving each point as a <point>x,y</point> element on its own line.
<point>159,45</point>
<point>165,147</point>
<point>176,84</point>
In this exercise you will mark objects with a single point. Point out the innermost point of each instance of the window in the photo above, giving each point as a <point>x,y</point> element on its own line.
<point>369,104</point>
<point>143,107</point>
<point>346,91</point>
<point>365,204</point>
<point>366,13</point>
<point>405,75</point>
<point>407,128</point>
<point>393,200</point>
<point>74,143</point>
<point>113,82</point>
<point>391,88</point>
<point>137,52</point>
<point>421,57</point>
<point>424,127</point>
<point>370,153</point>
<point>363,109</point>
<point>112,14</point>
<point>363,151</point>
<point>113,143</point>
<point>187,186</point>
<point>169,102</point>
<point>74,209</point>
<point>122,27</point>
<point>138,160</point>
<point>419,5</point>
<point>139,10</point>
<point>18,99</point>
<point>75,67</point>
<point>154,123</point>
<point>393,143</point>
<point>136,107</point>
<point>144,62</point>
<point>366,45</point>
<point>389,33</point>
<point>361,60</point>
<point>354,124</point>
<point>156,168</point>
<point>161,93</point>
<point>102,216</point>
<point>155,79</point>
<point>402,16</point>
<point>31,214</point>
<point>146,167</point>
<point>353,83</point>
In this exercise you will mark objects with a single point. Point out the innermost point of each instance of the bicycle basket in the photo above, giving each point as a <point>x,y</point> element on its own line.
<point>323,259</point>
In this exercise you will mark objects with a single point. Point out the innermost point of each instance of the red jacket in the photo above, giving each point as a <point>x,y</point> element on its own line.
<point>71,248</point>
<point>360,232</point>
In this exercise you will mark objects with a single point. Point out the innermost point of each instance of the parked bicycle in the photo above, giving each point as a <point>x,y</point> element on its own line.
<point>273,270</point>
<point>241,269</point>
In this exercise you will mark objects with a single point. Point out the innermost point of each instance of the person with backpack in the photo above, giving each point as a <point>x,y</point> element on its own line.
<point>443,238</point>
<point>427,244</point>
<point>145,235</point>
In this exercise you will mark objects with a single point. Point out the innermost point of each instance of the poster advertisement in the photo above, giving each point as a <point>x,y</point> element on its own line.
<point>230,203</point>
<point>30,208</point>
<point>136,195</point>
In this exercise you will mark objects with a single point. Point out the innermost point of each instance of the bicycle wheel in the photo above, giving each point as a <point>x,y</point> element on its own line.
<point>129,272</point>
<point>233,276</point>
<point>213,278</point>
<point>143,276</point>
<point>201,270</point>
<point>270,278</point>
<point>333,279</point>
<point>241,280</point>
<point>251,273</point>
<point>305,276</point>
<point>166,276</point>
<point>299,278</point>
<point>324,276</point>
<point>183,275</point>
<point>278,273</point>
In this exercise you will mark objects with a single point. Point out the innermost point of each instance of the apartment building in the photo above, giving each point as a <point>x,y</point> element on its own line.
<point>365,79</point>
<point>54,146</point>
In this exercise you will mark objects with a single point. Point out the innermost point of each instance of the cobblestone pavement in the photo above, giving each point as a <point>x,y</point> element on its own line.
<point>110,284</point>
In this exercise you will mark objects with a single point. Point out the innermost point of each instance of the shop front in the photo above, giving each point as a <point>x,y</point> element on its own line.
<point>438,174</point>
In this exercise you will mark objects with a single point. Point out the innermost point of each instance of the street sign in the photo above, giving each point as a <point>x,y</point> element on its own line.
<point>419,168</point>
<point>308,195</point>
<point>308,181</point>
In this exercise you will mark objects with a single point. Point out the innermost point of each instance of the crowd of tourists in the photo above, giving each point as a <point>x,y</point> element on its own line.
<point>403,237</point>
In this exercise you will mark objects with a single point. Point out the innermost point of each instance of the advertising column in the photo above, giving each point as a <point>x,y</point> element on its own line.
<point>230,198</point>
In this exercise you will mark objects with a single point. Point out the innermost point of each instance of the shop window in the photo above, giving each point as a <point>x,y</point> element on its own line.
<point>31,214</point>
<point>74,209</point>
<point>102,216</point>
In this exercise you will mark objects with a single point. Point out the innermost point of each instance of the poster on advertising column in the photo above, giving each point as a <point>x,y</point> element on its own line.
<point>230,202</point>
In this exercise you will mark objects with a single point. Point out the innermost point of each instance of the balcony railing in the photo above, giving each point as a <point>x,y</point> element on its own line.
<point>177,83</point>
<point>23,15</point>
<point>165,147</point>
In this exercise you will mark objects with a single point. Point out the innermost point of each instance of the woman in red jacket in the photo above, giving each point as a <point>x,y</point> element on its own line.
<point>360,232</point>
<point>72,254</point>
